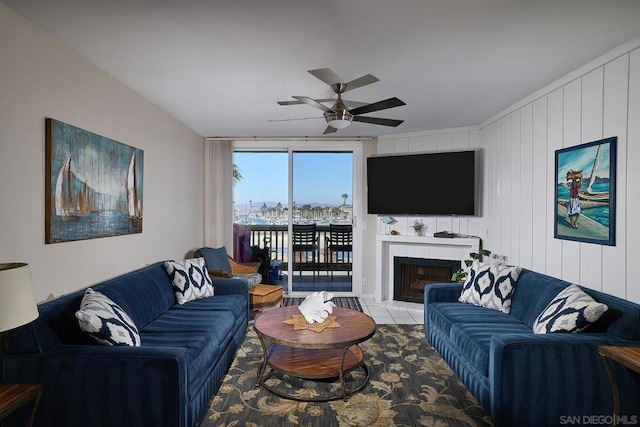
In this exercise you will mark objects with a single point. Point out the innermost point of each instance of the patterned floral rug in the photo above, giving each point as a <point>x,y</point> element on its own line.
<point>410,385</point>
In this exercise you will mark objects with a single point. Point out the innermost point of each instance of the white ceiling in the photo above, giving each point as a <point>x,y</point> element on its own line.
<point>220,66</point>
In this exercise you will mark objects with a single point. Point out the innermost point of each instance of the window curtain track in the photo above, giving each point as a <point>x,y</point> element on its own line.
<point>218,197</point>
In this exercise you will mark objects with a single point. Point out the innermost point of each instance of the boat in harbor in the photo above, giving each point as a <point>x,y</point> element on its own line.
<point>589,194</point>
<point>70,206</point>
<point>134,208</point>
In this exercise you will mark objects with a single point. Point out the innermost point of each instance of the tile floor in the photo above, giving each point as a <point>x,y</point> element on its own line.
<point>397,312</point>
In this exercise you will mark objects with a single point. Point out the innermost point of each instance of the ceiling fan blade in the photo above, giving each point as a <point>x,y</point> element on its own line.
<point>312,102</point>
<point>326,75</point>
<point>378,121</point>
<point>354,104</point>
<point>296,102</point>
<point>361,81</point>
<point>377,106</point>
<point>329,129</point>
<point>350,104</point>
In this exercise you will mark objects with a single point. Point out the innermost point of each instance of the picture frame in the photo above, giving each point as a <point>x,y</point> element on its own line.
<point>94,185</point>
<point>585,192</point>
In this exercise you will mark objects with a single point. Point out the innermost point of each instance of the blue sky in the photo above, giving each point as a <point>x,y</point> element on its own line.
<point>582,160</point>
<point>318,178</point>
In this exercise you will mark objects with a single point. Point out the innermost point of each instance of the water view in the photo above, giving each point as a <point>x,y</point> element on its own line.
<point>321,188</point>
<point>316,191</point>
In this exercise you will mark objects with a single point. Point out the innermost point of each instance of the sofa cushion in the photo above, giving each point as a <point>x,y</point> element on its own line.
<point>219,323</point>
<point>572,310</point>
<point>444,314</point>
<point>105,321</point>
<point>490,286</point>
<point>190,279</point>
<point>144,294</point>
<point>236,304</point>
<point>473,340</point>
<point>532,294</point>
<point>622,319</point>
<point>216,259</point>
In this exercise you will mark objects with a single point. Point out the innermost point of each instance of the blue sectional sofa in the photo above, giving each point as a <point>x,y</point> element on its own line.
<point>167,381</point>
<point>522,378</point>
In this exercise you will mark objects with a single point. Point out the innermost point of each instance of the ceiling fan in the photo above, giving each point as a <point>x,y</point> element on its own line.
<point>343,112</point>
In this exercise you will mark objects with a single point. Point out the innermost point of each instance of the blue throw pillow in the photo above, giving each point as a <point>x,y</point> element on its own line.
<point>106,321</point>
<point>216,259</point>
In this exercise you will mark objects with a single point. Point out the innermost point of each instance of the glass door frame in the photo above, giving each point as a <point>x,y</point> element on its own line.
<point>358,197</point>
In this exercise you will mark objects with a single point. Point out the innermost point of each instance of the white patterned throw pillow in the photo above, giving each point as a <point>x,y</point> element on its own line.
<point>572,310</point>
<point>106,321</point>
<point>190,279</point>
<point>490,286</point>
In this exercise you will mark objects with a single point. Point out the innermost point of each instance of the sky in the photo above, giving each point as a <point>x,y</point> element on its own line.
<point>317,178</point>
<point>582,160</point>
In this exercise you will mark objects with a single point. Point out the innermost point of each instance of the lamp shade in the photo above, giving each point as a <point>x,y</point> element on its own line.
<point>17,301</point>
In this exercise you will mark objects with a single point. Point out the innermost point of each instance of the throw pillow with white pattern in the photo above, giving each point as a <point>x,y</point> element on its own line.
<point>190,279</point>
<point>490,286</point>
<point>572,310</point>
<point>106,321</point>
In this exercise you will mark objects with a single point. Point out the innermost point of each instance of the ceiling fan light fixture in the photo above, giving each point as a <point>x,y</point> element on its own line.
<point>338,120</point>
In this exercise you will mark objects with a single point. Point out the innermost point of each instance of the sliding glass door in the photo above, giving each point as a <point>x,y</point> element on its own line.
<point>322,185</point>
<point>298,204</point>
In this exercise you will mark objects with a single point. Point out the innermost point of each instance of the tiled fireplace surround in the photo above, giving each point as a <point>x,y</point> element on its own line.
<point>427,247</point>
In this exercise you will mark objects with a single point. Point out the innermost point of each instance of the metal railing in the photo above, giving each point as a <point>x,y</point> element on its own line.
<point>276,237</point>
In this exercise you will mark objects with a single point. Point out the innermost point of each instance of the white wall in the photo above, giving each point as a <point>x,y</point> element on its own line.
<point>39,77</point>
<point>599,100</point>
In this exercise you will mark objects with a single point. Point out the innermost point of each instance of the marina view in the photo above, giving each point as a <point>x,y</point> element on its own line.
<point>320,187</point>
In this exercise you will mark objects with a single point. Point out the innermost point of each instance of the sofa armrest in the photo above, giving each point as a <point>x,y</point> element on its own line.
<point>230,286</point>
<point>563,374</point>
<point>114,384</point>
<point>442,292</point>
<point>439,292</point>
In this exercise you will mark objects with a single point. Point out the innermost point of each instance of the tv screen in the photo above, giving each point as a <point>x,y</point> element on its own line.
<point>422,184</point>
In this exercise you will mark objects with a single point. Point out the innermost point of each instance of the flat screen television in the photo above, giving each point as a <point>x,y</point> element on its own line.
<point>441,183</point>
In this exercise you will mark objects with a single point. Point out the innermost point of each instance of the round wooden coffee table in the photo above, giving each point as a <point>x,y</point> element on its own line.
<point>308,354</point>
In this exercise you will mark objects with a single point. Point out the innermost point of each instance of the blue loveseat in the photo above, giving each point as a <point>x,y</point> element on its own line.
<point>522,378</point>
<point>184,354</point>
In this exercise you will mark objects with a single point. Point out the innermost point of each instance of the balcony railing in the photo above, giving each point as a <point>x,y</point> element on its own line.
<point>276,237</point>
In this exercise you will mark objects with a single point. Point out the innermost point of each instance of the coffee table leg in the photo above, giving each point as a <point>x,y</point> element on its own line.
<point>344,387</point>
<point>346,394</point>
<point>263,368</point>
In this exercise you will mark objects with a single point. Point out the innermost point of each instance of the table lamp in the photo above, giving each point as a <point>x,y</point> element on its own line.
<point>17,301</point>
<point>17,307</point>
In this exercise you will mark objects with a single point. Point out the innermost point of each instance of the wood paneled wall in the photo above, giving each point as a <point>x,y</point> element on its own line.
<point>597,101</point>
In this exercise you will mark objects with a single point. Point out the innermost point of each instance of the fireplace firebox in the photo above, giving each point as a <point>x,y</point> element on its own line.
<point>411,274</point>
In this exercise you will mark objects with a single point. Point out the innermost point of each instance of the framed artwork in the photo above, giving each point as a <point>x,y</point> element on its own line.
<point>93,185</point>
<point>585,194</point>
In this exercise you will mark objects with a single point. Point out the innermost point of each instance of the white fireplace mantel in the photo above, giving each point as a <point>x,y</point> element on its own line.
<point>390,246</point>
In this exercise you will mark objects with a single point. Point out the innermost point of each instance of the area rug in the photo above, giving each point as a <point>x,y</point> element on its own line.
<point>347,302</point>
<point>410,385</point>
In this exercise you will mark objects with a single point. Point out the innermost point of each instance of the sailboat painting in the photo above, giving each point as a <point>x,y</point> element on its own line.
<point>585,208</point>
<point>94,185</point>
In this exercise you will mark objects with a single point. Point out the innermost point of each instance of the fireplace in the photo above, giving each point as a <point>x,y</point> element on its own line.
<point>411,274</point>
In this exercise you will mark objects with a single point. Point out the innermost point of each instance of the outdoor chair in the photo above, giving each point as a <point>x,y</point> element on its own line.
<point>305,240</point>
<point>339,246</point>
<point>220,264</point>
